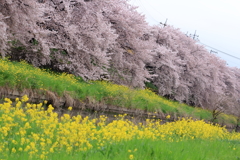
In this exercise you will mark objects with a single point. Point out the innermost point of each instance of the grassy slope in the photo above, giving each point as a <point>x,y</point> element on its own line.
<point>24,76</point>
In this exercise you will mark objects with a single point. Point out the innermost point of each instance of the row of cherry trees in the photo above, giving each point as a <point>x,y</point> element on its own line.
<point>92,39</point>
<point>188,72</point>
<point>109,39</point>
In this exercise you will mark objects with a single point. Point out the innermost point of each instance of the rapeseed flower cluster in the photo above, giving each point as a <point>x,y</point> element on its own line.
<point>37,131</point>
<point>24,75</point>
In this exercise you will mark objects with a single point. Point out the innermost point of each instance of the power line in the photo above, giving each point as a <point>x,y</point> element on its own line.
<point>146,11</point>
<point>164,24</point>
<point>194,36</point>
<point>220,51</point>
<point>149,4</point>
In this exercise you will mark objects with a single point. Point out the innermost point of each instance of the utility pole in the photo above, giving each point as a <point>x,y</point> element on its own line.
<point>195,35</point>
<point>165,24</point>
<point>211,51</point>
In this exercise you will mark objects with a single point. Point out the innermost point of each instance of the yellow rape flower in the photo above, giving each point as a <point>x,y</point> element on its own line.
<point>131,156</point>
<point>25,98</point>
<point>13,150</point>
<point>69,108</point>
<point>168,116</point>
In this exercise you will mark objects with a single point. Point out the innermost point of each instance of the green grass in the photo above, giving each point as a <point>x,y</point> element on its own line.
<point>162,150</point>
<point>154,150</point>
<point>22,76</point>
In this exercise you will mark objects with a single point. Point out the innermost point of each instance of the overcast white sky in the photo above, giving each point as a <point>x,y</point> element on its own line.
<point>217,22</point>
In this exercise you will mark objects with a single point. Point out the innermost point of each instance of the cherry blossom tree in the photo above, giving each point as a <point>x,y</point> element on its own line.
<point>131,52</point>
<point>71,35</point>
<point>187,72</point>
<point>22,29</point>
<point>93,39</point>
